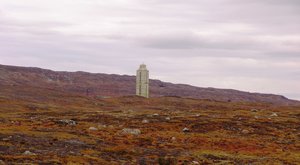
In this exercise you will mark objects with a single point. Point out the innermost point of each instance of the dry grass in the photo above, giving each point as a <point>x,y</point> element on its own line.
<point>220,132</point>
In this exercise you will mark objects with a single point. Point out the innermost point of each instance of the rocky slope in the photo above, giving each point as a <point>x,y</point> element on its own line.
<point>110,85</point>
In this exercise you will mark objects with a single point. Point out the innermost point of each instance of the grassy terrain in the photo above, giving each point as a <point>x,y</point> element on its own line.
<point>218,132</point>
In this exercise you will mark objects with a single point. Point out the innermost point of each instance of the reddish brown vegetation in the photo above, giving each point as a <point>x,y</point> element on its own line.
<point>219,132</point>
<point>51,125</point>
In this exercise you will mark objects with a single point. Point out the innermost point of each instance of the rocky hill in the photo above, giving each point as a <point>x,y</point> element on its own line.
<point>111,85</point>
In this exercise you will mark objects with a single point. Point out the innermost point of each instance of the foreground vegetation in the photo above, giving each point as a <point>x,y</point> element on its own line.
<point>69,129</point>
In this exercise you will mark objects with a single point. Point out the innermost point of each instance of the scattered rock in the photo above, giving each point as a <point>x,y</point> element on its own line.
<point>66,122</point>
<point>168,118</point>
<point>254,110</point>
<point>185,130</point>
<point>145,121</point>
<point>7,139</point>
<point>195,162</point>
<point>28,153</point>
<point>244,131</point>
<point>256,117</point>
<point>93,129</point>
<point>102,126</point>
<point>197,115</point>
<point>76,142</point>
<point>72,153</point>
<point>173,138</point>
<point>274,114</point>
<point>156,114</point>
<point>2,162</point>
<point>131,131</point>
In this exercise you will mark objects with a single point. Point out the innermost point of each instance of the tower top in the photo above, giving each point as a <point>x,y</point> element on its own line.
<point>143,67</point>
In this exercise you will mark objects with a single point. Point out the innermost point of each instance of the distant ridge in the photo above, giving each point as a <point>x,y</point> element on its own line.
<point>112,85</point>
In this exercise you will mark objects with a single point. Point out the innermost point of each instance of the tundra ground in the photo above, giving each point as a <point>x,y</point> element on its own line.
<point>69,129</point>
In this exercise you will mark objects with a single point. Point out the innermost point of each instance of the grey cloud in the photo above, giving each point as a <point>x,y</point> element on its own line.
<point>193,41</point>
<point>269,2</point>
<point>205,43</point>
<point>173,41</point>
<point>269,16</point>
<point>280,54</point>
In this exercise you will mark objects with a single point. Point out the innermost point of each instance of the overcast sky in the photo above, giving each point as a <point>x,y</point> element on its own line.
<point>250,45</point>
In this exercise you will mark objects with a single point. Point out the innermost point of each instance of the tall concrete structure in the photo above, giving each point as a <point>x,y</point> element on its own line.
<point>142,81</point>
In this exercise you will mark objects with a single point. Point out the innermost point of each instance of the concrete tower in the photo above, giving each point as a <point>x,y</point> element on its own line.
<point>142,81</point>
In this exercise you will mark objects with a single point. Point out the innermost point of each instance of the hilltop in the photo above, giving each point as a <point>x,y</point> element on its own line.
<point>112,85</point>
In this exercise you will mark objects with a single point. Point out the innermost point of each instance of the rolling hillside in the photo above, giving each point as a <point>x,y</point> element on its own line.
<point>111,85</point>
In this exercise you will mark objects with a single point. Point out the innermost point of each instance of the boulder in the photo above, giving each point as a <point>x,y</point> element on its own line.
<point>173,138</point>
<point>274,114</point>
<point>245,131</point>
<point>131,131</point>
<point>110,126</point>
<point>195,162</point>
<point>185,130</point>
<point>93,129</point>
<point>28,153</point>
<point>145,121</point>
<point>66,122</point>
<point>102,126</point>
<point>75,142</point>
